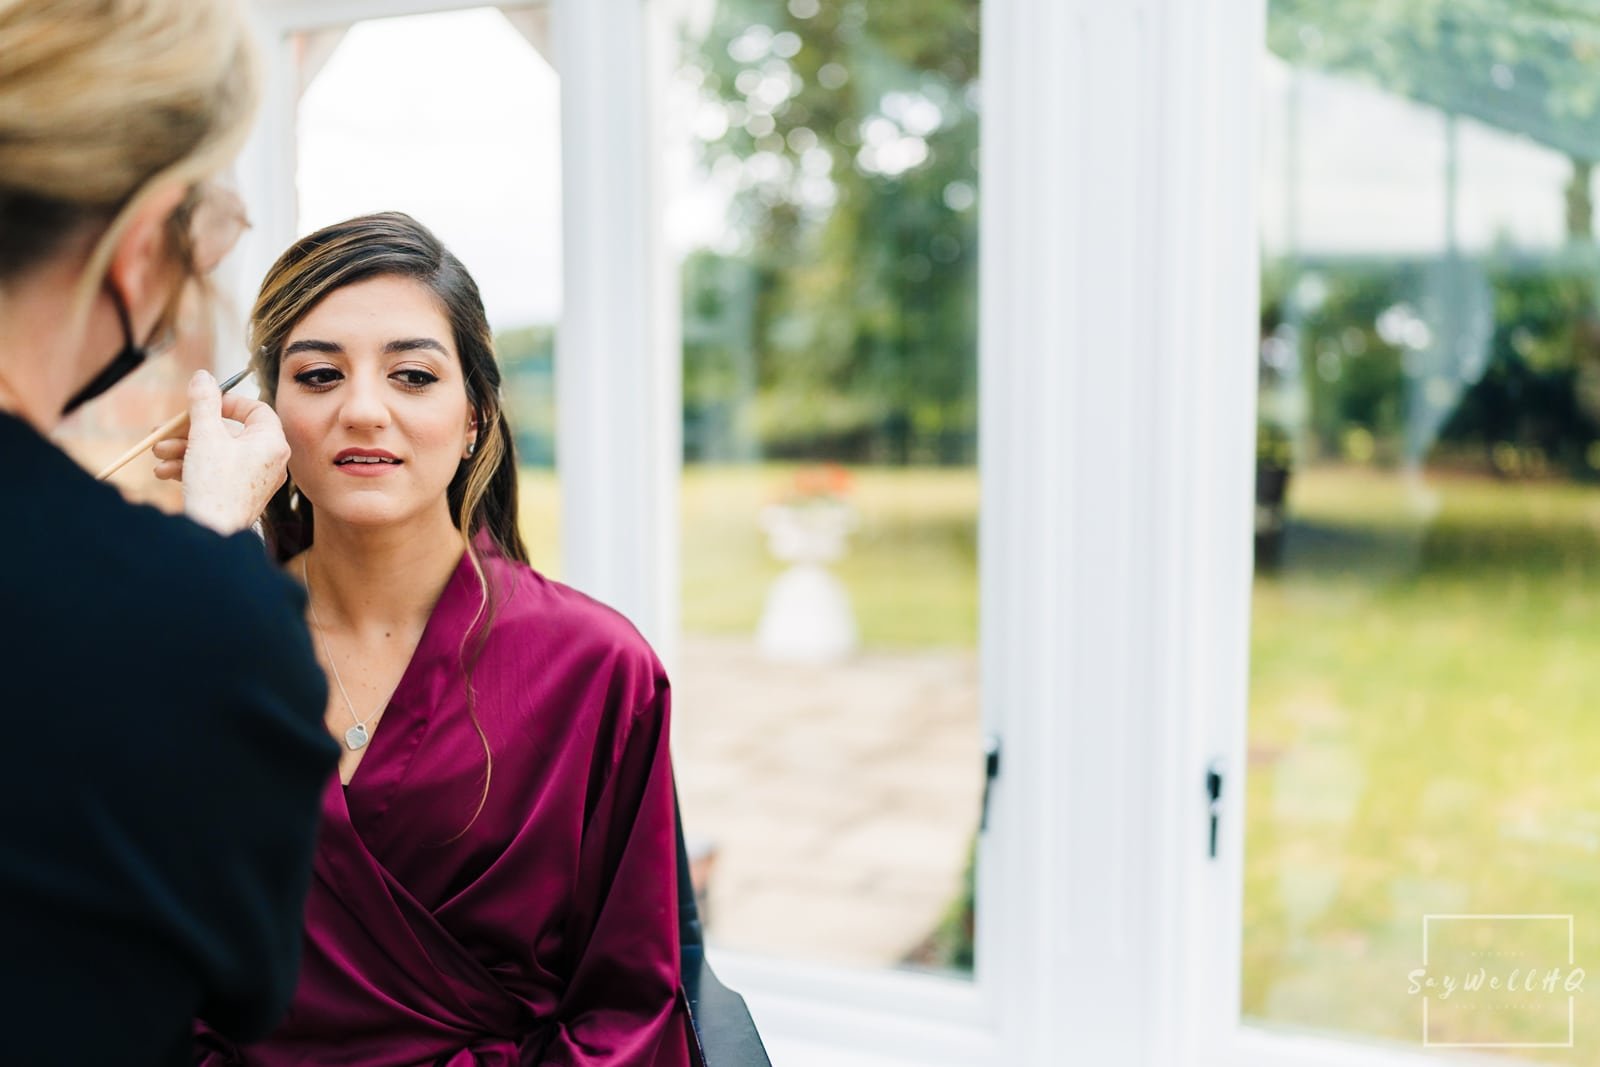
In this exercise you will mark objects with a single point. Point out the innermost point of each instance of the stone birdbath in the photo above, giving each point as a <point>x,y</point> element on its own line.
<point>807,617</point>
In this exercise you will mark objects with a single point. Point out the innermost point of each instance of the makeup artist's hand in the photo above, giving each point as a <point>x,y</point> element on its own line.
<point>232,461</point>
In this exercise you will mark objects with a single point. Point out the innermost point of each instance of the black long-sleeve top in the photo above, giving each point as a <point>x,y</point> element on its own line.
<point>163,758</point>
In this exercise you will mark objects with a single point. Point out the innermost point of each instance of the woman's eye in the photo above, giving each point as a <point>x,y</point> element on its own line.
<point>318,376</point>
<point>415,379</point>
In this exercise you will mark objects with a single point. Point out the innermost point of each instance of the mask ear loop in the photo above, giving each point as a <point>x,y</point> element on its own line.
<point>124,363</point>
<point>122,314</point>
<point>222,226</point>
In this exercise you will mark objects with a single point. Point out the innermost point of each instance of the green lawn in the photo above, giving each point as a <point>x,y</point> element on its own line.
<point>1422,735</point>
<point>539,511</point>
<point>911,571</point>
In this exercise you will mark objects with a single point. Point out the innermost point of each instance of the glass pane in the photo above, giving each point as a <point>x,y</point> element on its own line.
<point>827,728</point>
<point>473,152</point>
<point>1422,796</point>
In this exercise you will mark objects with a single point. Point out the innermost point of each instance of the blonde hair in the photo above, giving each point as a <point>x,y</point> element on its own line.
<point>102,103</point>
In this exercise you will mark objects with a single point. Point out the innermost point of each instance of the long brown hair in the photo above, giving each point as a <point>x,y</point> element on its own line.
<point>483,493</point>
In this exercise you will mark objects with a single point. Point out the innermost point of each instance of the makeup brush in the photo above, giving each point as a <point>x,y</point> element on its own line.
<point>173,425</point>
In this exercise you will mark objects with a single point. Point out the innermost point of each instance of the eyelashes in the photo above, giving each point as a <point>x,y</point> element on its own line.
<point>320,379</point>
<point>415,379</point>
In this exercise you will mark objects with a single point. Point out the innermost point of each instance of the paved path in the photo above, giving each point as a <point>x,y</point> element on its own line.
<point>842,800</point>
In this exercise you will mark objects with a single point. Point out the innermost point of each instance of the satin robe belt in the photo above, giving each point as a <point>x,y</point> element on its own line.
<point>408,957</point>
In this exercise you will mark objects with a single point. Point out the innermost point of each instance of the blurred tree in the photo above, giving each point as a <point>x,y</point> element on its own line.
<point>1354,378</point>
<point>845,324</point>
<point>1523,66</point>
<point>527,365</point>
<point>718,378</point>
<point>1533,411</point>
<point>1531,408</point>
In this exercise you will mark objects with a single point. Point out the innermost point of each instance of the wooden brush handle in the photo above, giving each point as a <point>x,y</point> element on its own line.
<point>175,425</point>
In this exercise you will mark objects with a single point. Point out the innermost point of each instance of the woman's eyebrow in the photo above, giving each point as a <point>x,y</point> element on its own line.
<point>412,344</point>
<point>309,345</point>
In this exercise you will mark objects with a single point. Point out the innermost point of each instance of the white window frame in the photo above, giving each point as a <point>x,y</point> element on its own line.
<point>1219,621</point>
<point>1118,298</point>
<point>618,411</point>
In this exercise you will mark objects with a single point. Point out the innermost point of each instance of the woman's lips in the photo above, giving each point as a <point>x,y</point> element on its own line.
<point>366,463</point>
<point>367,470</point>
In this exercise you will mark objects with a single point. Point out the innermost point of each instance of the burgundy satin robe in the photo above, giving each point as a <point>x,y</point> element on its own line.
<point>539,930</point>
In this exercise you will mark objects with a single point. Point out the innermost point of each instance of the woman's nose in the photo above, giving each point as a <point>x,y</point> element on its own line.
<point>364,403</point>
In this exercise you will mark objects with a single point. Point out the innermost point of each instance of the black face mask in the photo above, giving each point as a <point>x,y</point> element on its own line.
<point>123,364</point>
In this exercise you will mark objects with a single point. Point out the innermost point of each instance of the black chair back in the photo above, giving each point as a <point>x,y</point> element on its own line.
<point>724,1033</point>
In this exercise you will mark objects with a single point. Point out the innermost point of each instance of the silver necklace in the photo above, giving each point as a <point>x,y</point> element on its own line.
<point>358,735</point>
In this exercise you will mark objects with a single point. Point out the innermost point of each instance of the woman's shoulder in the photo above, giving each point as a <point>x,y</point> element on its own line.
<point>151,588</point>
<point>236,599</point>
<point>130,553</point>
<point>163,608</point>
<point>534,609</point>
<point>148,556</point>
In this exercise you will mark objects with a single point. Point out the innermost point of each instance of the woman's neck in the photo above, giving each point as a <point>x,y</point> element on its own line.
<point>11,401</point>
<point>364,579</point>
<point>40,359</point>
<point>31,372</point>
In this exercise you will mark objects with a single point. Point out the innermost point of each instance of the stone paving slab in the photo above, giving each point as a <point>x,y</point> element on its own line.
<point>841,800</point>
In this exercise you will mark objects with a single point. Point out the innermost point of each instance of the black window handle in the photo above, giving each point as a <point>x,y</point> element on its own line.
<point>1214,801</point>
<point>991,771</point>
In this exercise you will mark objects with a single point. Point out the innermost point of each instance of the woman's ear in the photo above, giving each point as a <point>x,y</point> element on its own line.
<point>141,264</point>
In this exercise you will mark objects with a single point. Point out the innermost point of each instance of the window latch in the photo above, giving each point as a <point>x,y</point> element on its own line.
<point>1213,801</point>
<point>991,771</point>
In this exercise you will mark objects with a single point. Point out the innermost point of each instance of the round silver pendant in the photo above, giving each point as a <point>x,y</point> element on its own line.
<point>357,737</point>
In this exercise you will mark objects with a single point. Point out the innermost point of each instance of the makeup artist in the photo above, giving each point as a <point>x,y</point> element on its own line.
<point>164,751</point>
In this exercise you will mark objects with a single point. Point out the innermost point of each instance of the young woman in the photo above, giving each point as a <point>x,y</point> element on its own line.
<point>495,880</point>
<point>162,705</point>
